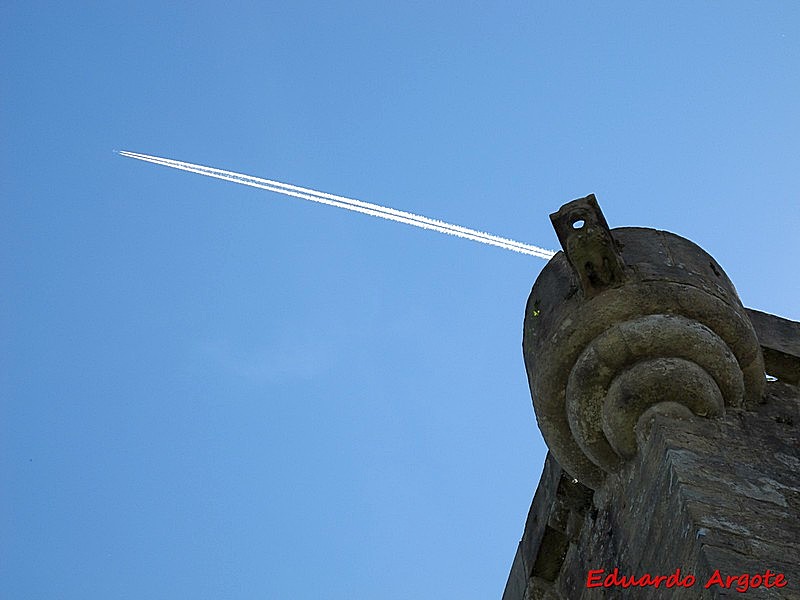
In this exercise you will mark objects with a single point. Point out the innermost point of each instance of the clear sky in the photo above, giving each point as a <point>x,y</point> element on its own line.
<point>213,392</point>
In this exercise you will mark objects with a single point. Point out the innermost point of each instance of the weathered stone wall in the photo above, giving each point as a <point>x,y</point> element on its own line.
<point>703,494</point>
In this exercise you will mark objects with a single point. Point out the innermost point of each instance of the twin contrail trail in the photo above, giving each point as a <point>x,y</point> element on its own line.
<point>366,208</point>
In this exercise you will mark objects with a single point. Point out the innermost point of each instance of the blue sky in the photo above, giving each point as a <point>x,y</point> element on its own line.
<point>210,391</point>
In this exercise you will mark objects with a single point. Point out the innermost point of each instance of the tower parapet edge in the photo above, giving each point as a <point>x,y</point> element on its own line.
<point>648,382</point>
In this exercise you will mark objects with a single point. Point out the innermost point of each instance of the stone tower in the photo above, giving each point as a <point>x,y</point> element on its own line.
<point>672,416</point>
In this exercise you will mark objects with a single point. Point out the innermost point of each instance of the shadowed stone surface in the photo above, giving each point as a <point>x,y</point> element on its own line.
<point>780,343</point>
<point>702,494</point>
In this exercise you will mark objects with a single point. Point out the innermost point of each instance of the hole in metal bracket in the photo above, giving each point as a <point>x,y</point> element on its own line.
<point>578,224</point>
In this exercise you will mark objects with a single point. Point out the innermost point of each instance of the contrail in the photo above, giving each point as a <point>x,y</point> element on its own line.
<point>367,208</point>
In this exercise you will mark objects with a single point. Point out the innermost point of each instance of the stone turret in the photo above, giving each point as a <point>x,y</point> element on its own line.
<point>671,413</point>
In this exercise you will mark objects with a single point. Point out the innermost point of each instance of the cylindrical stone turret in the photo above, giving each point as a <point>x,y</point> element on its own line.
<point>625,323</point>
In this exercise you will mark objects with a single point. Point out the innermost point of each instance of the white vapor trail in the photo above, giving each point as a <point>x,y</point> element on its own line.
<point>367,208</point>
